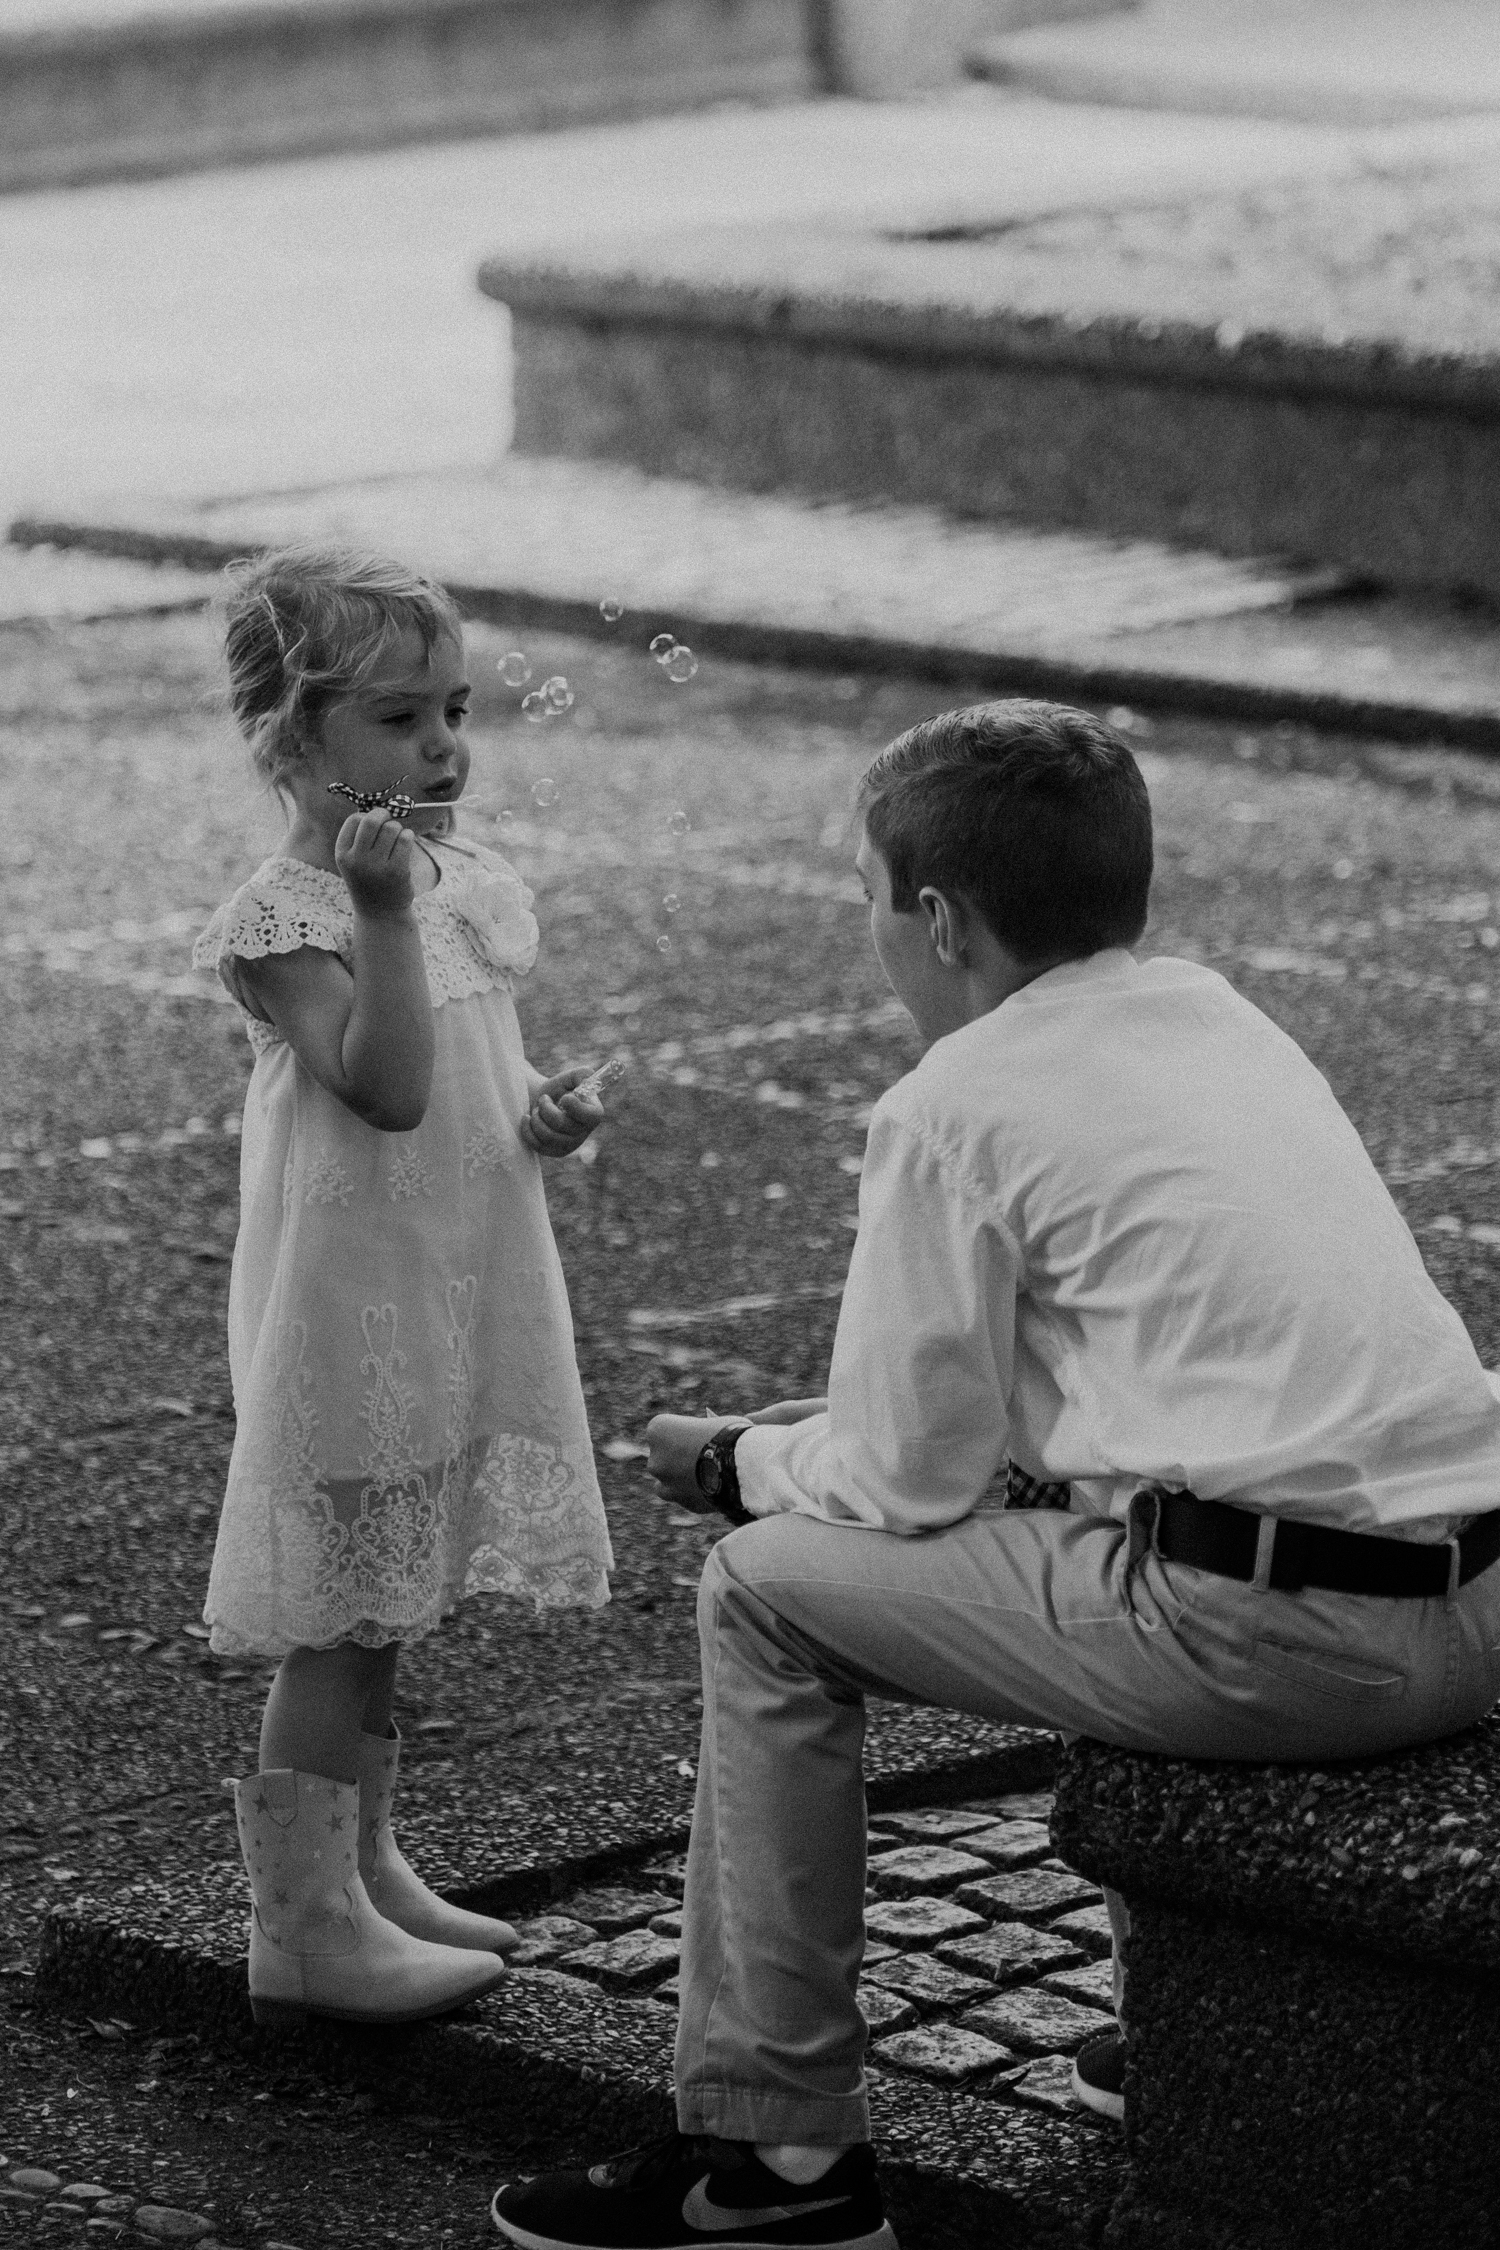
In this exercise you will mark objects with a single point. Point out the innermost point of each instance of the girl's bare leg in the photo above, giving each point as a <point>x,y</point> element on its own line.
<point>381,1701</point>
<point>318,1708</point>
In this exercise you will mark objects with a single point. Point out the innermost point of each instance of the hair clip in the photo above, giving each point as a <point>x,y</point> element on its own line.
<point>365,800</point>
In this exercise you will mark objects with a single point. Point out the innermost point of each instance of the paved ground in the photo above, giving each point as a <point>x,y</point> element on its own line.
<point>300,323</point>
<point>1348,61</point>
<point>1353,890</point>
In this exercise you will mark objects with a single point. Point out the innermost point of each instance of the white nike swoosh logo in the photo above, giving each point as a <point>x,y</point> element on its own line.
<point>724,2218</point>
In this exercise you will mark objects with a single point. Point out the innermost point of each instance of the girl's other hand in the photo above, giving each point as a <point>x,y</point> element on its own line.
<point>373,853</point>
<point>561,1120</point>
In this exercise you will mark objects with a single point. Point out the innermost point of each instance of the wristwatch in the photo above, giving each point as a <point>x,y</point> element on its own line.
<point>716,1475</point>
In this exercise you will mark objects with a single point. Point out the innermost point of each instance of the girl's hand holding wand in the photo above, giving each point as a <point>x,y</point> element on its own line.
<point>563,1112</point>
<point>373,853</point>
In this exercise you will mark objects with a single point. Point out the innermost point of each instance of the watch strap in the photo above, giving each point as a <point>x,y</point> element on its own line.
<point>727,1499</point>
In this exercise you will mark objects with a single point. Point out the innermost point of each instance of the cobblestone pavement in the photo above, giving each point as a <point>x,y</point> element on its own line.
<point>986,1960</point>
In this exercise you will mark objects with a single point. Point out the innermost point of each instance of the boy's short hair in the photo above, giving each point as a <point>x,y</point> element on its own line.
<point>1034,813</point>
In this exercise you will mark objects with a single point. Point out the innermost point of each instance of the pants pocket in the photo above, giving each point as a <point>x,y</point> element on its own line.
<point>1347,1679</point>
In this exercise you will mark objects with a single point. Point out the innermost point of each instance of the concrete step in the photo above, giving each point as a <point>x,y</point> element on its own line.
<point>941,364</point>
<point>977,2143</point>
<point>1357,62</point>
<point>904,590</point>
<point>111,92</point>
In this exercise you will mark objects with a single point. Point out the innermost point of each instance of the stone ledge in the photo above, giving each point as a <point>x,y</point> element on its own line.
<point>825,358</point>
<point>1313,1992</point>
<point>577,2066</point>
<point>276,78</point>
<point>834,286</point>
<point>1395,1857</point>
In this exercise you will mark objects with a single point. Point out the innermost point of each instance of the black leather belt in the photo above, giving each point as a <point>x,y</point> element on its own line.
<point>1212,1535</point>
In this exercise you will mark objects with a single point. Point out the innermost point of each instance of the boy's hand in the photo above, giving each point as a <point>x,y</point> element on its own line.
<point>561,1120</point>
<point>675,1442</point>
<point>373,853</point>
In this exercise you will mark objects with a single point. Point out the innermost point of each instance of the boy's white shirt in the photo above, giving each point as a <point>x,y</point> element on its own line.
<point>1119,1230</point>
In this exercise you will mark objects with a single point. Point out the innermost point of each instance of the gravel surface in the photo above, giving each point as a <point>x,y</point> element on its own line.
<point>1351,890</point>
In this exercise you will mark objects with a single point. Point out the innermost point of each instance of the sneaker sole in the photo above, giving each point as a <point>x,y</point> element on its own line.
<point>1095,2098</point>
<point>883,2239</point>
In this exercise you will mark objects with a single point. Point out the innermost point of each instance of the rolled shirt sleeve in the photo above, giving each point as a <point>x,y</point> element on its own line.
<point>916,1423</point>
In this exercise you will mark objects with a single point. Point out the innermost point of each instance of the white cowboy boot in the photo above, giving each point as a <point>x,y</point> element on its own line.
<point>317,1945</point>
<point>395,1889</point>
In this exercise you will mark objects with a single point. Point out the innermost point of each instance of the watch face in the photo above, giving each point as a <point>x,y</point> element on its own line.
<point>710,1472</point>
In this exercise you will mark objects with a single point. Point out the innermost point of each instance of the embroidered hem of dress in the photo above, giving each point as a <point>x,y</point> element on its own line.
<point>581,1584</point>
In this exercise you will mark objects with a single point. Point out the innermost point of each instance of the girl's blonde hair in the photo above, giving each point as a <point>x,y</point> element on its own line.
<point>306,625</point>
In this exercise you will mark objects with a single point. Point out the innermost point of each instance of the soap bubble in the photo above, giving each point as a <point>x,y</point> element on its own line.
<point>664,945</point>
<point>534,707</point>
<point>678,822</point>
<point>556,693</point>
<point>671,902</point>
<point>610,610</point>
<point>514,669</point>
<point>662,646</point>
<point>679,664</point>
<point>544,792</point>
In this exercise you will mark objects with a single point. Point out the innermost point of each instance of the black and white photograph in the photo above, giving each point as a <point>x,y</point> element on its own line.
<point>750,1124</point>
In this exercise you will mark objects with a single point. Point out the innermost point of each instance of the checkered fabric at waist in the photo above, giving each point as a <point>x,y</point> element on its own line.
<point>1022,1491</point>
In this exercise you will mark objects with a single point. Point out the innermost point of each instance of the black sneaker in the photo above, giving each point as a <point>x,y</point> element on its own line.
<point>1099,2073</point>
<point>677,2192</point>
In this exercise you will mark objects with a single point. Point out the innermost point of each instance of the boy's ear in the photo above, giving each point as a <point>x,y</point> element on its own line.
<point>946,925</point>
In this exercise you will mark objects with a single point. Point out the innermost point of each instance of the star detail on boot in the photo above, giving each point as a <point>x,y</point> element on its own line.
<point>281,1898</point>
<point>335,1823</point>
<point>261,1801</point>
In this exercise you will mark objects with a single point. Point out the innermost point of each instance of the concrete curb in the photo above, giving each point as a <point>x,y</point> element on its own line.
<point>1142,686</point>
<point>1027,1760</point>
<point>177,1944</point>
<point>278,78</point>
<point>571,2069</point>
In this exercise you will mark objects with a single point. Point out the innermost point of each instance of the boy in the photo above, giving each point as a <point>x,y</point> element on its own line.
<point>1114,1230</point>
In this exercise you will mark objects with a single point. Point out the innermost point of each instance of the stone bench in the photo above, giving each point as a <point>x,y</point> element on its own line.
<point>224,81</point>
<point>1313,1988</point>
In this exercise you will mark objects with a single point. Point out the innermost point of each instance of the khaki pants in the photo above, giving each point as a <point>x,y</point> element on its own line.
<point>1038,1618</point>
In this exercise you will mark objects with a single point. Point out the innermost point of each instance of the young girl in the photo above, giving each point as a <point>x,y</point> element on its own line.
<point>411,1424</point>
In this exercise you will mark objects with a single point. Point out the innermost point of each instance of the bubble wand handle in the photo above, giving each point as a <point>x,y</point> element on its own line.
<point>396,801</point>
<point>597,1080</point>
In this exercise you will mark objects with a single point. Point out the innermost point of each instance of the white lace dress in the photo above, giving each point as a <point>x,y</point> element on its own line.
<point>411,1423</point>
